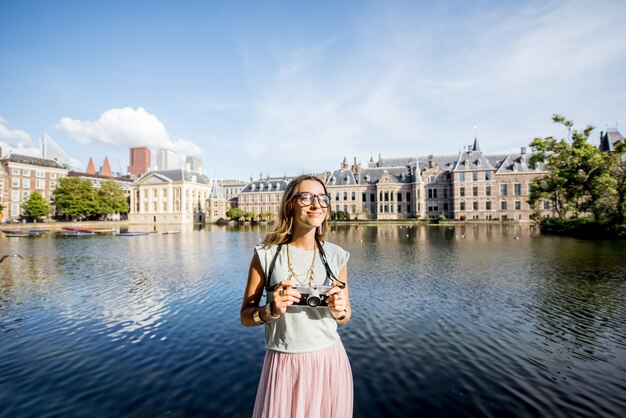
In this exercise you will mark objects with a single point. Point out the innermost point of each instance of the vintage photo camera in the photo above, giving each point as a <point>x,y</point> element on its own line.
<point>312,296</point>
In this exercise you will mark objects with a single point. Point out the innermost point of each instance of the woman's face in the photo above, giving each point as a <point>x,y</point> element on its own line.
<point>309,216</point>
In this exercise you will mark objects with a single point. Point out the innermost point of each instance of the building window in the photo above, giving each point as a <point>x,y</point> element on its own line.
<point>546,205</point>
<point>15,209</point>
<point>353,195</point>
<point>488,205</point>
<point>372,197</point>
<point>475,176</point>
<point>461,176</point>
<point>462,206</point>
<point>475,205</point>
<point>399,196</point>
<point>432,193</point>
<point>487,175</point>
<point>408,208</point>
<point>462,191</point>
<point>345,196</point>
<point>475,191</point>
<point>15,195</point>
<point>15,183</point>
<point>432,180</point>
<point>40,175</point>
<point>26,173</point>
<point>445,206</point>
<point>364,197</point>
<point>15,171</point>
<point>518,205</point>
<point>26,183</point>
<point>25,195</point>
<point>503,205</point>
<point>408,197</point>
<point>386,197</point>
<point>487,190</point>
<point>445,193</point>
<point>53,185</point>
<point>517,187</point>
<point>53,175</point>
<point>503,189</point>
<point>336,196</point>
<point>41,184</point>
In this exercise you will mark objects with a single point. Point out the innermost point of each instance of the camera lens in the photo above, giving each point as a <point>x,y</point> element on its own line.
<point>313,301</point>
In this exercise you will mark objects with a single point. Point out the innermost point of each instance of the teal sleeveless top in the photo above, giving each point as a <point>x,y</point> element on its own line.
<point>301,329</point>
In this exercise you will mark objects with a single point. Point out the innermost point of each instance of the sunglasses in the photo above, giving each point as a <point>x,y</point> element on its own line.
<point>306,199</point>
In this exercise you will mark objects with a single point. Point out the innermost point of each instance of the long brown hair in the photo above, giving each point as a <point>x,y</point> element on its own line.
<point>280,234</point>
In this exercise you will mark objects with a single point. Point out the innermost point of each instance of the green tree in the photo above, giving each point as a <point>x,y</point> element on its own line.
<point>235,213</point>
<point>111,198</point>
<point>250,215</point>
<point>579,177</point>
<point>36,206</point>
<point>76,197</point>
<point>268,215</point>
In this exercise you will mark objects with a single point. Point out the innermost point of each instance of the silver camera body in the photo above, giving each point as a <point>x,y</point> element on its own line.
<point>312,296</point>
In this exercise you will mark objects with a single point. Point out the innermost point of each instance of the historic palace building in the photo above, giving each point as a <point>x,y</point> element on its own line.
<point>467,186</point>
<point>175,197</point>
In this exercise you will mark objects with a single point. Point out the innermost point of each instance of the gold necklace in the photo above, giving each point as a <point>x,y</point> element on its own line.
<point>309,274</point>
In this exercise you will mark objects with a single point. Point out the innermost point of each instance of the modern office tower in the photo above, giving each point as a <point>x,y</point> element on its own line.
<point>52,151</point>
<point>167,159</point>
<point>139,161</point>
<point>193,163</point>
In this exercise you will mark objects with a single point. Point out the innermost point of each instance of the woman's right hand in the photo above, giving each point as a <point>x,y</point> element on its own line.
<point>284,295</point>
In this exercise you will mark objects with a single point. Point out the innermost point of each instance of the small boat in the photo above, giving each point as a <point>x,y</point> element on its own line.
<point>170,232</point>
<point>76,234</point>
<point>131,233</point>
<point>23,233</point>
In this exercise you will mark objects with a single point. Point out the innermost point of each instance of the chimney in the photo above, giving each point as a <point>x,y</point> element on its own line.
<point>523,150</point>
<point>469,149</point>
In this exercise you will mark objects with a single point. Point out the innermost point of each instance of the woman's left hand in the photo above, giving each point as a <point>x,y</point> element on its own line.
<point>337,301</point>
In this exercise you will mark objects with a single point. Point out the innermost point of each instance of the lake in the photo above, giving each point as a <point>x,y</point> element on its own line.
<point>465,321</point>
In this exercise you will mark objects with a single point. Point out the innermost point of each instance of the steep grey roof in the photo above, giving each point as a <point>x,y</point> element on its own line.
<point>472,161</point>
<point>344,177</point>
<point>26,159</point>
<point>178,175</point>
<point>444,162</point>
<point>270,184</point>
<point>609,139</point>
<point>216,192</point>
<point>514,163</point>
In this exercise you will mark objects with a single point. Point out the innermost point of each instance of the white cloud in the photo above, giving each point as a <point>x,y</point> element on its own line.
<point>126,127</point>
<point>16,141</point>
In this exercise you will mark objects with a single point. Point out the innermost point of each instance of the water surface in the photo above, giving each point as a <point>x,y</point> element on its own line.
<point>469,321</point>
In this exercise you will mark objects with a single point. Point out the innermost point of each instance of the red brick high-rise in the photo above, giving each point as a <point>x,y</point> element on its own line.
<point>139,161</point>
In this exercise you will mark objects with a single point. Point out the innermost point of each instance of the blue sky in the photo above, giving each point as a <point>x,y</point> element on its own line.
<point>285,87</point>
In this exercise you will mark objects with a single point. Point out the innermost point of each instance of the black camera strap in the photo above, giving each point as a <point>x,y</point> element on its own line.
<point>329,273</point>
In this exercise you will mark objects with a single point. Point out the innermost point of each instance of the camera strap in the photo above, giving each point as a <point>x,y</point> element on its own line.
<point>329,273</point>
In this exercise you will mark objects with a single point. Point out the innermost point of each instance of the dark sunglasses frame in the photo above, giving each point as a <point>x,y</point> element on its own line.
<point>313,196</point>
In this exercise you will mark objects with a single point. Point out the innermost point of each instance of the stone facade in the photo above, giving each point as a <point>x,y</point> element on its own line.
<point>169,197</point>
<point>467,186</point>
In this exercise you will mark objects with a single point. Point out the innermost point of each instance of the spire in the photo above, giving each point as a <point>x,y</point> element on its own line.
<point>476,147</point>
<point>216,191</point>
<point>106,168</point>
<point>91,169</point>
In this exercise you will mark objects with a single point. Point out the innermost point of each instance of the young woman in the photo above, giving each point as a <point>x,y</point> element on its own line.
<point>306,372</point>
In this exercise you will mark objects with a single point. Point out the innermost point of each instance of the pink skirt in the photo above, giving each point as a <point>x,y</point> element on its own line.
<point>305,385</point>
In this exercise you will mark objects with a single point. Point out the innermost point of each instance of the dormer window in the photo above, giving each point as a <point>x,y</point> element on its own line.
<point>252,187</point>
<point>261,187</point>
<point>346,180</point>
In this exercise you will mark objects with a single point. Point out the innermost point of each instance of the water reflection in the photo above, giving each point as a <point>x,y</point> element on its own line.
<point>469,320</point>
